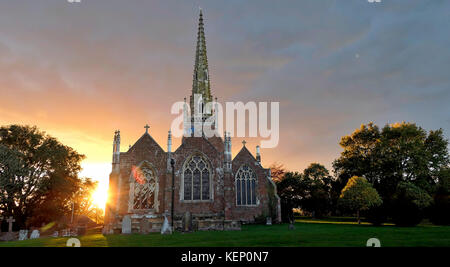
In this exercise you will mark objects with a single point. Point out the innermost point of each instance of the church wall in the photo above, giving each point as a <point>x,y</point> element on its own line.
<point>248,213</point>
<point>212,207</point>
<point>144,150</point>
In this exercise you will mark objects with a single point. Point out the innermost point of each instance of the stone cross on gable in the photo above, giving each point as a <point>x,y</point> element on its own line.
<point>10,224</point>
<point>244,142</point>
<point>146,128</point>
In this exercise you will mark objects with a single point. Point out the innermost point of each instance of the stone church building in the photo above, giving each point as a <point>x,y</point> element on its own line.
<point>211,190</point>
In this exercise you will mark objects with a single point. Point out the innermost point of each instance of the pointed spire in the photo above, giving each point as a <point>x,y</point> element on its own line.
<point>201,82</point>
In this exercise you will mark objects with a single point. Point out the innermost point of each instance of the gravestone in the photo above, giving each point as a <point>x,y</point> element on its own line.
<point>166,229</point>
<point>35,234</point>
<point>23,235</point>
<point>187,222</point>
<point>144,226</point>
<point>73,232</point>
<point>9,236</point>
<point>10,224</point>
<point>269,221</point>
<point>55,234</point>
<point>126,224</point>
<point>65,232</point>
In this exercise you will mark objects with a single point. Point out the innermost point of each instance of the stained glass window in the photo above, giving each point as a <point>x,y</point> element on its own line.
<point>197,179</point>
<point>245,186</point>
<point>144,188</point>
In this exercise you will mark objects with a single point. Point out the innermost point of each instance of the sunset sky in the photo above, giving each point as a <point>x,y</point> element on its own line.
<point>79,71</point>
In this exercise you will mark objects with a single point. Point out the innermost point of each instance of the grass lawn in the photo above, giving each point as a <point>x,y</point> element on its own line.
<point>308,232</point>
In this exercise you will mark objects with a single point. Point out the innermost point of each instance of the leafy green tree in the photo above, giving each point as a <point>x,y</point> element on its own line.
<point>291,191</point>
<point>38,175</point>
<point>359,195</point>
<point>399,152</point>
<point>409,203</point>
<point>440,211</point>
<point>360,156</point>
<point>317,198</point>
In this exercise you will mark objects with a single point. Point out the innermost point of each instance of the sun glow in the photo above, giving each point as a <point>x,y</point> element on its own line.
<point>98,172</point>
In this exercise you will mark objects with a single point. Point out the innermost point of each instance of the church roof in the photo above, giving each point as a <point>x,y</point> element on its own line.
<point>244,153</point>
<point>146,140</point>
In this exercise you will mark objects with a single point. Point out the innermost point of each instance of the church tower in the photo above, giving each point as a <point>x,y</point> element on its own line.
<point>200,113</point>
<point>201,83</point>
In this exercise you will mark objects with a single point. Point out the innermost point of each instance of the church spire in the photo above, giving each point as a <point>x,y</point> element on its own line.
<point>201,83</point>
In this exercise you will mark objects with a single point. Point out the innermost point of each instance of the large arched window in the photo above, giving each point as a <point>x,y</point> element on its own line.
<point>144,187</point>
<point>197,179</point>
<point>245,186</point>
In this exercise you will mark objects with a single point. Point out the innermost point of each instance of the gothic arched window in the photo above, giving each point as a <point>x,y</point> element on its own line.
<point>145,188</point>
<point>197,179</point>
<point>245,186</point>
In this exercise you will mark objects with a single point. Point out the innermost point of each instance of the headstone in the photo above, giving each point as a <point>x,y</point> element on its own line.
<point>65,232</point>
<point>144,226</point>
<point>73,232</point>
<point>55,234</point>
<point>269,221</point>
<point>23,235</point>
<point>35,234</point>
<point>126,224</point>
<point>187,222</point>
<point>166,229</point>
<point>10,224</point>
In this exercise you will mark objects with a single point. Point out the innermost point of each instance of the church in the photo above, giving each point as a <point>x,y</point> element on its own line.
<point>210,190</point>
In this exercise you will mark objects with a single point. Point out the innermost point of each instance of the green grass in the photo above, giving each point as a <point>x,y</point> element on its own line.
<point>308,232</point>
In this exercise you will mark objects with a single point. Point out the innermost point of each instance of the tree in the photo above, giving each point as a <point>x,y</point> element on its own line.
<point>399,152</point>
<point>360,155</point>
<point>359,195</point>
<point>84,202</point>
<point>409,202</point>
<point>41,189</point>
<point>440,211</point>
<point>277,172</point>
<point>317,199</point>
<point>290,190</point>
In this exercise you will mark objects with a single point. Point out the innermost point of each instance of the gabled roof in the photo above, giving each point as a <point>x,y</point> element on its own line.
<point>146,140</point>
<point>244,153</point>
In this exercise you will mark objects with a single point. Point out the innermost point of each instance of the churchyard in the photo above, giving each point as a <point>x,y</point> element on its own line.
<point>306,233</point>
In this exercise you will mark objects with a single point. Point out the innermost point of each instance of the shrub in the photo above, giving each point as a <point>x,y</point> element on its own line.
<point>440,211</point>
<point>409,203</point>
<point>376,215</point>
